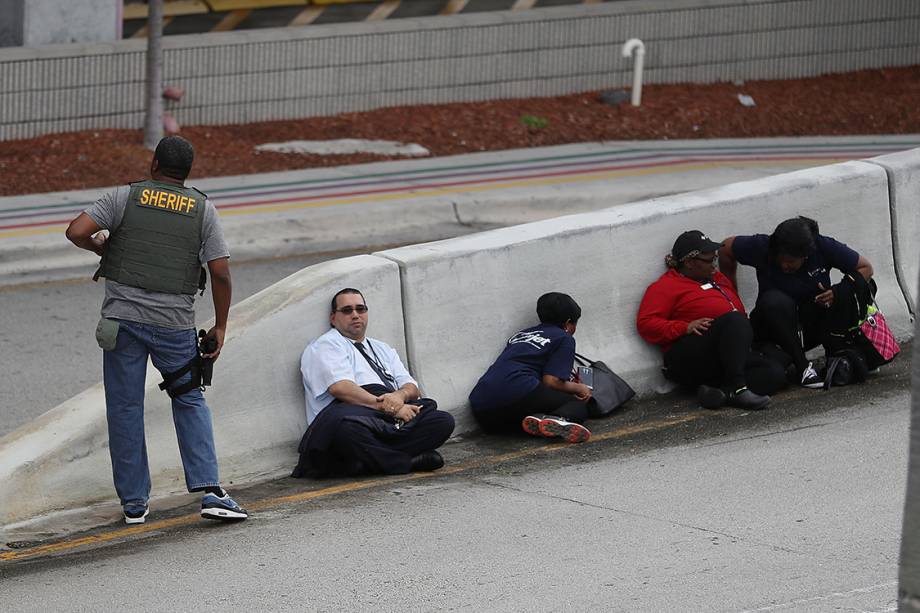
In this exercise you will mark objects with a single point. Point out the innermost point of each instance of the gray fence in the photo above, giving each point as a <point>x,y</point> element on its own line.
<point>285,73</point>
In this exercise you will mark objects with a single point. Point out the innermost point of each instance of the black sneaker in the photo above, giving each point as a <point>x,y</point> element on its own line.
<point>222,508</point>
<point>811,379</point>
<point>744,398</point>
<point>426,461</point>
<point>135,513</point>
<point>710,397</point>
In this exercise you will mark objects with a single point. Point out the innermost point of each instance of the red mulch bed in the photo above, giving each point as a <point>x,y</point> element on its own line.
<point>883,101</point>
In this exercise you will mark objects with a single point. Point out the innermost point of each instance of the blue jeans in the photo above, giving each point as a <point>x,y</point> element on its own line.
<point>124,374</point>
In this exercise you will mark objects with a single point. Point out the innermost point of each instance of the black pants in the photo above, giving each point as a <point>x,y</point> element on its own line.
<point>347,439</point>
<point>722,357</point>
<point>360,449</point>
<point>776,318</point>
<point>541,400</point>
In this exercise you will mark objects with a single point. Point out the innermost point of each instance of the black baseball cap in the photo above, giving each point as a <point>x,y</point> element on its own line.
<point>691,243</point>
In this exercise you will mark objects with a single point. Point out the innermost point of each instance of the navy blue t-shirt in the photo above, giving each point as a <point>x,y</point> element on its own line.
<point>803,283</point>
<point>541,350</point>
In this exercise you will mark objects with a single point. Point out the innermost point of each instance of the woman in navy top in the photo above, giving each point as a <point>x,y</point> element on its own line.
<point>529,384</point>
<point>794,286</point>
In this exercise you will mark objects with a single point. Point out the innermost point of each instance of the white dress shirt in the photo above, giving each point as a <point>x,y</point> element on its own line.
<point>332,358</point>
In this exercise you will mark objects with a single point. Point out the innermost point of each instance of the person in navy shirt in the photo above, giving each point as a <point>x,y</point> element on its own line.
<point>793,268</point>
<point>529,384</point>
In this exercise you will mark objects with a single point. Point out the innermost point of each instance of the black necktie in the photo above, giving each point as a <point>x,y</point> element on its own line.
<point>386,378</point>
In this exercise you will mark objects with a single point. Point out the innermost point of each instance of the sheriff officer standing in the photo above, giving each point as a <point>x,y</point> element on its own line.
<point>160,234</point>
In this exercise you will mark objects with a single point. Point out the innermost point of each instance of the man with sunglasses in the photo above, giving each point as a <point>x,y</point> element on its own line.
<point>364,411</point>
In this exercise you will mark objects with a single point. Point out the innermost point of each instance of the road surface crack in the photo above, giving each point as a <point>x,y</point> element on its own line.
<point>644,516</point>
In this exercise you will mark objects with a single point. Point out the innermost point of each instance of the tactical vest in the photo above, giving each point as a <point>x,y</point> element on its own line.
<point>156,246</point>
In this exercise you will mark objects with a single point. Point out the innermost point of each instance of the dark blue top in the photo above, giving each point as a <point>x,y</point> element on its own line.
<point>541,350</point>
<point>802,284</point>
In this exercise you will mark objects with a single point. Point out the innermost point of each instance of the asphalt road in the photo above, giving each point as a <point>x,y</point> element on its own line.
<point>793,509</point>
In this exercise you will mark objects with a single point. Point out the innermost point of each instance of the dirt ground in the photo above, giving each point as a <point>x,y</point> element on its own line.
<point>885,101</point>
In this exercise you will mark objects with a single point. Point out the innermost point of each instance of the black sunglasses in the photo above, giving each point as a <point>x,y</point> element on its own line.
<point>711,260</point>
<point>348,310</point>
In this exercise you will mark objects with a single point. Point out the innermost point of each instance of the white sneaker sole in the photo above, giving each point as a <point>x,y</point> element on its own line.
<point>137,520</point>
<point>222,514</point>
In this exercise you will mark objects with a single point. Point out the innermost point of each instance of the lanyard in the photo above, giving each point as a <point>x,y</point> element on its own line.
<point>385,377</point>
<point>724,295</point>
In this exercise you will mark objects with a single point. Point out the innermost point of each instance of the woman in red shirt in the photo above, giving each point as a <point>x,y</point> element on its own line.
<point>694,314</point>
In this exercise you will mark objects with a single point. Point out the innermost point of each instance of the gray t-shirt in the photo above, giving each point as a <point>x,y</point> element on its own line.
<point>143,306</point>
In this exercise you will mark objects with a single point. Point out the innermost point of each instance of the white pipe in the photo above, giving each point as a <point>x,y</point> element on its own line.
<point>634,44</point>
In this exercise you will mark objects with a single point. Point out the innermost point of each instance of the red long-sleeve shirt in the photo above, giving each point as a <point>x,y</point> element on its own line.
<point>673,301</point>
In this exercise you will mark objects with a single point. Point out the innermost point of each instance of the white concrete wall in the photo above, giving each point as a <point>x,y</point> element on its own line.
<point>463,297</point>
<point>904,188</point>
<point>61,460</point>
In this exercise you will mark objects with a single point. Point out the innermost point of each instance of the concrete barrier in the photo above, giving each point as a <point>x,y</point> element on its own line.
<point>61,460</point>
<point>463,297</point>
<point>904,190</point>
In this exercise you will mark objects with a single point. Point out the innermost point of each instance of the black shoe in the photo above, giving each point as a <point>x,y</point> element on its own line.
<point>746,399</point>
<point>426,461</point>
<point>710,397</point>
<point>811,379</point>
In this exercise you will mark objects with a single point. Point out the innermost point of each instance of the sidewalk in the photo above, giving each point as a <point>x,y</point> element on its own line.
<point>292,212</point>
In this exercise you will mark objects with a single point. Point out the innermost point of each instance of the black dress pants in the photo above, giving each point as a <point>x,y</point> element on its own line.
<point>360,448</point>
<point>541,400</point>
<point>347,439</point>
<point>722,357</point>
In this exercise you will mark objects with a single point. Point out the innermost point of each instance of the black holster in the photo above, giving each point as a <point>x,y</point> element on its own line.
<point>200,367</point>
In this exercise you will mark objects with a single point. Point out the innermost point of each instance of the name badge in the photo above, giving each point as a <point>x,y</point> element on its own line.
<point>706,286</point>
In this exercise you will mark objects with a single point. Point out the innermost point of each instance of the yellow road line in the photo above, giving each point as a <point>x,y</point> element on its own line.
<point>522,5</point>
<point>453,7</point>
<point>354,486</point>
<point>383,11</point>
<point>307,16</point>
<point>142,33</point>
<point>231,20</point>
<point>682,167</point>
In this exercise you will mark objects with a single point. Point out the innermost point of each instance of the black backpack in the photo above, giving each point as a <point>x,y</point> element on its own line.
<point>842,336</point>
<point>844,367</point>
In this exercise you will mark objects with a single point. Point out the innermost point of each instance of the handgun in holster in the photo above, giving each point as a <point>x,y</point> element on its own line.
<point>200,367</point>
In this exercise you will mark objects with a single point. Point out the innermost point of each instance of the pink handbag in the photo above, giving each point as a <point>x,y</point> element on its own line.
<point>879,335</point>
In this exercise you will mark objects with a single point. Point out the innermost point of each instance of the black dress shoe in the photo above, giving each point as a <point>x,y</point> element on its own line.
<point>426,461</point>
<point>746,399</point>
<point>710,397</point>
